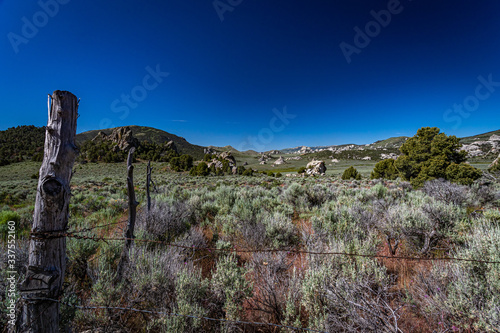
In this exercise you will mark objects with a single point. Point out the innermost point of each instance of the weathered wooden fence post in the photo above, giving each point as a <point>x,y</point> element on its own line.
<point>148,181</point>
<point>47,250</point>
<point>132,205</point>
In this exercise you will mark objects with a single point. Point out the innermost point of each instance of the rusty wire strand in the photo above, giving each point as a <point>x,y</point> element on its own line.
<point>150,311</point>
<point>235,250</point>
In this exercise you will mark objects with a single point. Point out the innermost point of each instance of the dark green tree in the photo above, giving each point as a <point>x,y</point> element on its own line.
<point>202,169</point>
<point>351,173</point>
<point>429,154</point>
<point>186,162</point>
<point>209,157</point>
<point>248,172</point>
<point>240,170</point>
<point>175,164</point>
<point>384,169</point>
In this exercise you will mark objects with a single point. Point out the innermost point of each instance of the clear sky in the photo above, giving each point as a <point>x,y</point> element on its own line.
<point>256,74</point>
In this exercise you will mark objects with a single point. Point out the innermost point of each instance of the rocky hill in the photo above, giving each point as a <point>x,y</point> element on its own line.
<point>151,135</point>
<point>482,146</point>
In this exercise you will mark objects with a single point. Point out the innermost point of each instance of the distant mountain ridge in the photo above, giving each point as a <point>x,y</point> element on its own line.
<point>392,142</point>
<point>16,149</point>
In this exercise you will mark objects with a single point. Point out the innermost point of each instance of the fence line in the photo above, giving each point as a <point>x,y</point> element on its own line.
<point>45,235</point>
<point>150,311</point>
<point>97,227</point>
<point>76,234</point>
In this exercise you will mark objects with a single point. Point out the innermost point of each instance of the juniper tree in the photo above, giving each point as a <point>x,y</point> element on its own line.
<point>430,155</point>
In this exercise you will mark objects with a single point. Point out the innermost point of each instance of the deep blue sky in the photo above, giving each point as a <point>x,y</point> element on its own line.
<point>226,77</point>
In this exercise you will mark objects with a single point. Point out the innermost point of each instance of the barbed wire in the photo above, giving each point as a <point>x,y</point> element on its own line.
<point>96,238</point>
<point>96,227</point>
<point>150,311</point>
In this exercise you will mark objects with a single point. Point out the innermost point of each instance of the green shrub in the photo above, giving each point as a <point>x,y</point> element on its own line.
<point>79,253</point>
<point>463,173</point>
<point>465,294</point>
<point>200,170</point>
<point>175,164</point>
<point>280,231</point>
<point>240,170</point>
<point>248,172</point>
<point>301,170</point>
<point>294,195</point>
<point>384,169</point>
<point>5,217</point>
<point>495,167</point>
<point>351,173</point>
<point>230,286</point>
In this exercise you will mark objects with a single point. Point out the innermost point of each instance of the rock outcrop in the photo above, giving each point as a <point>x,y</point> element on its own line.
<point>496,163</point>
<point>279,161</point>
<point>228,157</point>
<point>305,150</point>
<point>217,162</point>
<point>265,157</point>
<point>208,151</point>
<point>171,145</point>
<point>316,168</point>
<point>483,148</point>
<point>388,156</point>
<point>121,136</point>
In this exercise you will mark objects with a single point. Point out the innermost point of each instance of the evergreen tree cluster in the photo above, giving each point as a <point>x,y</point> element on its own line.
<point>182,163</point>
<point>108,152</point>
<point>429,155</point>
<point>21,143</point>
<point>202,169</point>
<point>155,152</point>
<point>101,151</point>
